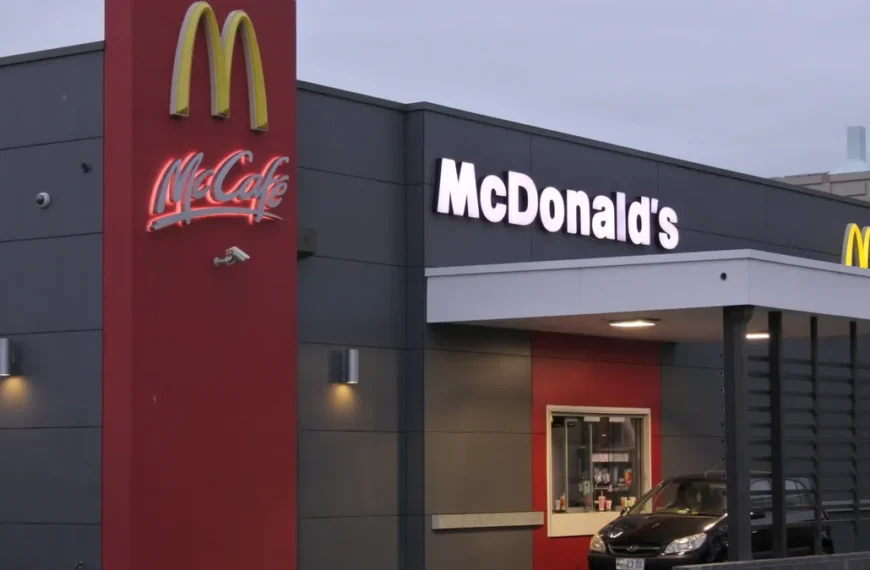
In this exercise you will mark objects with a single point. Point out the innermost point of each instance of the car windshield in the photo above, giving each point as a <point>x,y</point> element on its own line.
<point>689,497</point>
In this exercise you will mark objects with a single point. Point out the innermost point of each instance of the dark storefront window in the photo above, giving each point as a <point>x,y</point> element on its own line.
<point>597,462</point>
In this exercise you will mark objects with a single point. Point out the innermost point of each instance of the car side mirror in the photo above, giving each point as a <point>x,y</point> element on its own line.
<point>623,511</point>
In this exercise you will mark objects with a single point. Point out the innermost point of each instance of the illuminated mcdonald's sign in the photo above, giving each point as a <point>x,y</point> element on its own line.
<point>221,43</point>
<point>856,243</point>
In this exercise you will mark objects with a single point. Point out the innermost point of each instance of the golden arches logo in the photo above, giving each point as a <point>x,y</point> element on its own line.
<point>221,43</point>
<point>856,240</point>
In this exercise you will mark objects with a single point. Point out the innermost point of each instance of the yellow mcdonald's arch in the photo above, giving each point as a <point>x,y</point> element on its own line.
<point>853,236</point>
<point>220,55</point>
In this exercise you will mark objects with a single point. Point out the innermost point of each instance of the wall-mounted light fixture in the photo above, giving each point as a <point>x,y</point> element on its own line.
<point>7,358</point>
<point>634,324</point>
<point>350,366</point>
<point>757,336</point>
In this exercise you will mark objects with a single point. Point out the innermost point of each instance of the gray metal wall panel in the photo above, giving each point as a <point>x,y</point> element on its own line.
<point>413,390</point>
<point>692,419</point>
<point>491,148</point>
<point>415,309</point>
<point>415,139</point>
<point>76,196</point>
<point>554,247</point>
<point>52,100</point>
<point>415,218</point>
<point>352,303</point>
<point>348,137</point>
<point>568,165</point>
<point>52,476</point>
<point>57,285</point>
<point>691,454</point>
<point>352,293</point>
<point>374,543</point>
<point>415,474</point>
<point>51,308</point>
<point>355,218</point>
<point>695,241</point>
<point>504,549</point>
<point>349,474</point>
<point>714,204</point>
<point>790,214</point>
<point>692,401</point>
<point>473,392</point>
<point>59,383</point>
<point>451,240</point>
<point>494,474</point>
<point>374,404</point>
<point>415,543</point>
<point>49,546</point>
<point>479,339</point>
<point>695,355</point>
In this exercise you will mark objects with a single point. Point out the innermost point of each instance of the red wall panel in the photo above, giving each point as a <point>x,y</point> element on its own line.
<point>199,365</point>
<point>586,371</point>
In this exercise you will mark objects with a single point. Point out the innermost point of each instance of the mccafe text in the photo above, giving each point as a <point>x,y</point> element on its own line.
<point>187,190</point>
<point>516,200</point>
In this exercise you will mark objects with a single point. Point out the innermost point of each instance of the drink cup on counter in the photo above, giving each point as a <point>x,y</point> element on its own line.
<point>608,505</point>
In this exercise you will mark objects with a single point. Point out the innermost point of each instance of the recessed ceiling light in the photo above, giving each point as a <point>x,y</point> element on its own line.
<point>757,336</point>
<point>633,324</point>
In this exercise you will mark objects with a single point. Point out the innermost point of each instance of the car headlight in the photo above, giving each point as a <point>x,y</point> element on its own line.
<point>686,544</point>
<point>597,545</point>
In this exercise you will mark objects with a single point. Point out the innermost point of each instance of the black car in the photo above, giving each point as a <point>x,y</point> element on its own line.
<point>682,521</point>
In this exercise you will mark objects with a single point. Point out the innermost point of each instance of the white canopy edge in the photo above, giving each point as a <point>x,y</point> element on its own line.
<point>633,284</point>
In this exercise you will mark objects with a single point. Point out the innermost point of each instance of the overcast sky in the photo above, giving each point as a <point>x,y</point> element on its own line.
<point>766,87</point>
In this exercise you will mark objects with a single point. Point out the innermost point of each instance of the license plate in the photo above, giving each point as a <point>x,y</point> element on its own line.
<point>629,564</point>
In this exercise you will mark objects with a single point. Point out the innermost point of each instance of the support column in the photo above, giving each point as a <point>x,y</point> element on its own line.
<point>814,377</point>
<point>199,370</point>
<point>777,433</point>
<point>735,320</point>
<point>858,484</point>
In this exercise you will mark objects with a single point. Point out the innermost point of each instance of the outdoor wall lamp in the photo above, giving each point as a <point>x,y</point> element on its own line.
<point>7,358</point>
<point>634,324</point>
<point>757,336</point>
<point>350,366</point>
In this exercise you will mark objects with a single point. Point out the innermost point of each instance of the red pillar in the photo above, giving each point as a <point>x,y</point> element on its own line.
<point>199,361</point>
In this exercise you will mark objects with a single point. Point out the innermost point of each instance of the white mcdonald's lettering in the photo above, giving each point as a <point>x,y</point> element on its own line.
<point>185,191</point>
<point>517,201</point>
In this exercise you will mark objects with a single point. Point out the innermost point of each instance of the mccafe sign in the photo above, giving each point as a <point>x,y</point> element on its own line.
<point>187,190</point>
<point>516,200</point>
<point>238,184</point>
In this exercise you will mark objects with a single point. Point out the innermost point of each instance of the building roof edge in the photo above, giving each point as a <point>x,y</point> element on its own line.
<point>53,53</point>
<point>475,117</point>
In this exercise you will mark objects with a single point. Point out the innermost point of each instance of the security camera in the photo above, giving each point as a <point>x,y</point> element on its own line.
<point>237,254</point>
<point>231,256</point>
<point>43,199</point>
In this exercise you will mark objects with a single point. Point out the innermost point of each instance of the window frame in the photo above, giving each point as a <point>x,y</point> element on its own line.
<point>589,523</point>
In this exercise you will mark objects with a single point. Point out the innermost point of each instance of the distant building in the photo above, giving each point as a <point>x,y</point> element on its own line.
<point>852,178</point>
